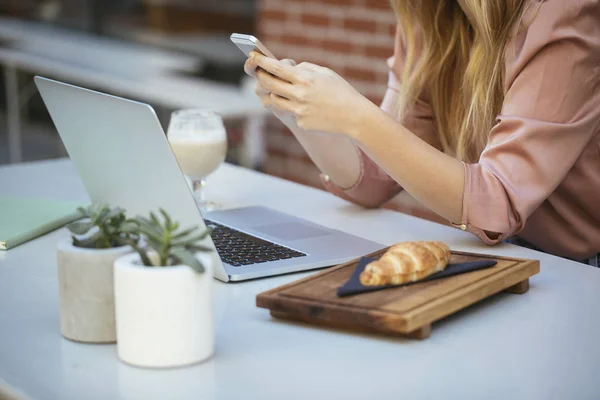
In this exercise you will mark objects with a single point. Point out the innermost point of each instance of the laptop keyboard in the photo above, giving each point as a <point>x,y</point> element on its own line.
<point>237,248</point>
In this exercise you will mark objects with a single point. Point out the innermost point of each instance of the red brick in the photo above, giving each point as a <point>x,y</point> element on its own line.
<point>274,152</point>
<point>286,145</point>
<point>392,29</point>
<point>337,2</point>
<point>375,100</point>
<point>262,32</point>
<point>274,15</point>
<point>379,52</point>
<point>295,40</point>
<point>340,47</point>
<point>274,164</point>
<point>295,179</point>
<point>312,179</point>
<point>314,19</point>
<point>383,4</point>
<point>274,125</point>
<point>286,131</point>
<point>363,25</point>
<point>279,154</point>
<point>301,170</point>
<point>359,73</point>
<point>268,4</point>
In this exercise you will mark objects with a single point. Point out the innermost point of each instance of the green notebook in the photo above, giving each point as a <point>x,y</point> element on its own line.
<point>23,219</point>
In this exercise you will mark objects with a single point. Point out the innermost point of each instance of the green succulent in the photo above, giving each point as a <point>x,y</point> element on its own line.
<point>169,244</point>
<point>102,227</point>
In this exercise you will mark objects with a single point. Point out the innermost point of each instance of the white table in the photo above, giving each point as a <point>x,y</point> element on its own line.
<point>541,345</point>
<point>136,71</point>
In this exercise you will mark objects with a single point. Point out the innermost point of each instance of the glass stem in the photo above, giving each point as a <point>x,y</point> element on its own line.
<point>198,186</point>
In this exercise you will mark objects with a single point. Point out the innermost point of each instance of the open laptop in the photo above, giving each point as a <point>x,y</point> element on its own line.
<point>124,159</point>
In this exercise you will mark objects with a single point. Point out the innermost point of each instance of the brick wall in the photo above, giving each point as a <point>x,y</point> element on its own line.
<point>352,37</point>
<point>201,15</point>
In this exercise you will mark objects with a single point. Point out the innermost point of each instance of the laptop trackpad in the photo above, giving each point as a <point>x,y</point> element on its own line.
<point>290,231</point>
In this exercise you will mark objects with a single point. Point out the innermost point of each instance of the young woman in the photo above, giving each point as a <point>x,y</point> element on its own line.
<point>491,119</point>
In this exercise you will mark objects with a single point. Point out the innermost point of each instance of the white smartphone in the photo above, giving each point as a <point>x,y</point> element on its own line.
<point>248,43</point>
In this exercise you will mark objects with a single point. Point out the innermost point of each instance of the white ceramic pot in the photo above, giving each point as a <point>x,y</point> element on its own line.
<point>86,291</point>
<point>164,314</point>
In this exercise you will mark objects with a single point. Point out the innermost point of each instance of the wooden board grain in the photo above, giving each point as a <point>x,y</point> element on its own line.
<point>407,310</point>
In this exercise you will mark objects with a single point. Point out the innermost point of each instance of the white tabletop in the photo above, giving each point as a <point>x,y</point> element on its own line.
<point>541,345</point>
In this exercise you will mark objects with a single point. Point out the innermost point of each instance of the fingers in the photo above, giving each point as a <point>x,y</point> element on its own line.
<point>259,89</point>
<point>280,69</point>
<point>309,66</point>
<point>281,103</point>
<point>289,62</point>
<point>262,92</point>
<point>271,84</point>
<point>266,101</point>
<point>250,67</point>
<point>267,83</point>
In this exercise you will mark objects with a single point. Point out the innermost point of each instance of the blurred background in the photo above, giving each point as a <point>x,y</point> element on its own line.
<point>177,54</point>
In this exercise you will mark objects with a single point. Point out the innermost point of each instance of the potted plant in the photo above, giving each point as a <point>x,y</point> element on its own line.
<point>163,296</point>
<point>85,272</point>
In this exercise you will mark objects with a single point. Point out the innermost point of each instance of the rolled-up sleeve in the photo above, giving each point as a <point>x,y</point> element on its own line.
<point>550,114</point>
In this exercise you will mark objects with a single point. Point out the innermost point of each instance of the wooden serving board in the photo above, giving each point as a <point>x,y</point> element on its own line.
<point>406,311</point>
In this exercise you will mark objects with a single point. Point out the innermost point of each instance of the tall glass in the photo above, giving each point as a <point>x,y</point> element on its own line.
<point>199,141</point>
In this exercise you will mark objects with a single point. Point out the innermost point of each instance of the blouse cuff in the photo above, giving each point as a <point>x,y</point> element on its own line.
<point>465,225</point>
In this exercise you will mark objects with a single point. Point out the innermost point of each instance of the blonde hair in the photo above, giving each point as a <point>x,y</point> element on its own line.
<point>461,65</point>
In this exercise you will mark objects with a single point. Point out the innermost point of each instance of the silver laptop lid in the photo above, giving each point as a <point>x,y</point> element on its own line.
<point>122,154</point>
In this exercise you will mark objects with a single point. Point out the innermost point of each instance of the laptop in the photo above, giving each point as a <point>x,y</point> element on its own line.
<point>124,159</point>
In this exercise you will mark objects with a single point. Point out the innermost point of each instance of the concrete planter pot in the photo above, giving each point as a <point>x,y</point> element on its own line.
<point>164,314</point>
<point>86,290</point>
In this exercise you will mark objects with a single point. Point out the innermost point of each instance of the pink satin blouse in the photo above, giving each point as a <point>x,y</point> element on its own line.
<point>539,175</point>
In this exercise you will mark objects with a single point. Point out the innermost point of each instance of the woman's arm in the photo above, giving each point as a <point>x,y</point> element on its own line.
<point>352,174</point>
<point>429,175</point>
<point>321,99</point>
<point>551,111</point>
<point>336,156</point>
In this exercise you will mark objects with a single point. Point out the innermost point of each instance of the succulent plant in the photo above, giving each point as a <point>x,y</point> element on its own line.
<point>167,245</point>
<point>102,227</point>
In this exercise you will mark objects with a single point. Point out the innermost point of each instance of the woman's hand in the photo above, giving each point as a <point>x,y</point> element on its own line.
<point>335,155</point>
<point>251,69</point>
<point>319,99</point>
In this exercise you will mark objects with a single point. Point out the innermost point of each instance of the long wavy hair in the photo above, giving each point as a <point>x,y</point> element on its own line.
<point>460,63</point>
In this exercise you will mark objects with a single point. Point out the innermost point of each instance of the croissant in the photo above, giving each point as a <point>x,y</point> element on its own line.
<point>406,262</point>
